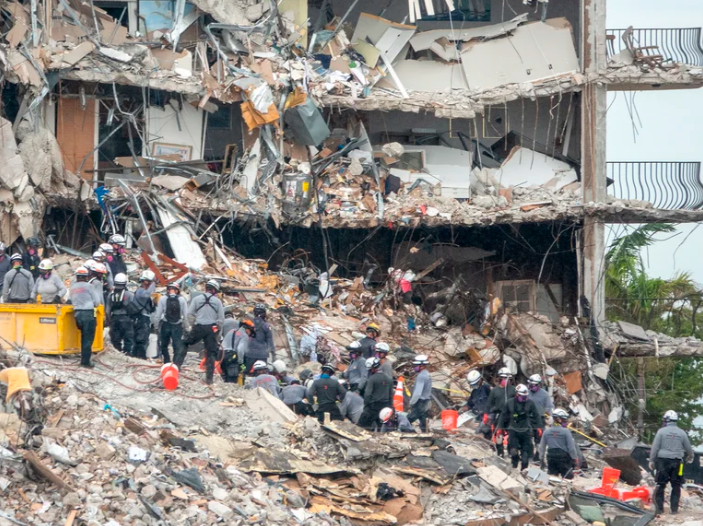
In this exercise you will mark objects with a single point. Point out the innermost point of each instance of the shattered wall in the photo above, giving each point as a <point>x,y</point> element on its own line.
<point>175,125</point>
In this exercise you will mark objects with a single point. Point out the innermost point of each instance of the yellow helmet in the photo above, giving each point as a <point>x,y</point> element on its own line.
<point>373,327</point>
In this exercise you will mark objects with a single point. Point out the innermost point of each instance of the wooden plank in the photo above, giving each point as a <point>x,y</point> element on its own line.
<point>429,269</point>
<point>45,472</point>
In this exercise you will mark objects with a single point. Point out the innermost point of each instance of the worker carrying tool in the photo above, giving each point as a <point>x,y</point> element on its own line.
<point>119,316</point>
<point>327,390</point>
<point>207,316</point>
<point>377,395</point>
<point>670,447</point>
<point>382,350</point>
<point>235,346</point>
<point>171,320</point>
<point>499,396</point>
<point>48,286</point>
<point>422,393</point>
<point>478,402</point>
<point>392,420</point>
<point>261,345</point>
<point>542,400</point>
<point>562,455</point>
<point>143,308</point>
<point>114,259</point>
<point>262,378</point>
<point>85,301</point>
<point>30,258</point>
<point>18,284</point>
<point>356,374</point>
<point>368,342</point>
<point>521,421</point>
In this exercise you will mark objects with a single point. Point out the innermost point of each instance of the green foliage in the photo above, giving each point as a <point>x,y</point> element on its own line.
<point>673,307</point>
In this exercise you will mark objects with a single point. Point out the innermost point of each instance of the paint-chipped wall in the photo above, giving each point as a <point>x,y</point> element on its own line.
<point>175,126</point>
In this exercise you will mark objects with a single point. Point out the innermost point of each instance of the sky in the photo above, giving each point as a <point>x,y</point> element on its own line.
<point>670,129</point>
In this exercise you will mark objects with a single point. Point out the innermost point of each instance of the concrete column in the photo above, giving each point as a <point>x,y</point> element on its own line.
<point>594,103</point>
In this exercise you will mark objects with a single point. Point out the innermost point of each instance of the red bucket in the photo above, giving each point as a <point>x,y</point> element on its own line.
<point>610,477</point>
<point>169,376</point>
<point>450,419</point>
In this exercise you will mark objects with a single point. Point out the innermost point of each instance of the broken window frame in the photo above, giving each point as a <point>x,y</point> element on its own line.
<point>532,293</point>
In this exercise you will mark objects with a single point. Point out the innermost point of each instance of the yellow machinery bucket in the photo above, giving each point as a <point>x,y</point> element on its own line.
<point>45,328</point>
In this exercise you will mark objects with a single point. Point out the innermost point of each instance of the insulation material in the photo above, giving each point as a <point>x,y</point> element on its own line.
<point>534,52</point>
<point>184,249</point>
<point>527,167</point>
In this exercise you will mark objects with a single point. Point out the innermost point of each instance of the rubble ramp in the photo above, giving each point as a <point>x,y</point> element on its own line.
<point>45,328</point>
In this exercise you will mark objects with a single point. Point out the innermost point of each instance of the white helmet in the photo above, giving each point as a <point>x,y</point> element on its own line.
<point>534,379</point>
<point>383,347</point>
<point>473,377</point>
<point>373,363</point>
<point>2,246</point>
<point>504,372</point>
<point>279,366</point>
<point>107,248</point>
<point>259,365</point>
<point>560,413</point>
<point>385,414</point>
<point>409,275</point>
<point>421,359</point>
<point>100,268</point>
<point>214,284</point>
<point>90,264</point>
<point>522,390</point>
<point>46,264</point>
<point>671,416</point>
<point>147,275</point>
<point>117,239</point>
<point>354,345</point>
<point>121,279</point>
<point>98,255</point>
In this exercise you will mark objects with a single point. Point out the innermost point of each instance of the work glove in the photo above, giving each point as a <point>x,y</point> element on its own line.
<point>651,466</point>
<point>500,433</point>
<point>538,434</point>
<point>577,464</point>
<point>485,418</point>
<point>689,459</point>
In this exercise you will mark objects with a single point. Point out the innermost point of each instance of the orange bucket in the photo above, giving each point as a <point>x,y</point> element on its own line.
<point>449,419</point>
<point>610,477</point>
<point>169,376</point>
<point>218,368</point>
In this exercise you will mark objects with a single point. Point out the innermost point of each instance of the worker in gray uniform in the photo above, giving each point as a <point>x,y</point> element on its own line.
<point>327,391</point>
<point>377,395</point>
<point>352,405</point>
<point>18,284</point>
<point>497,399</point>
<point>48,286</point>
<point>85,300</point>
<point>382,350</point>
<point>142,309</point>
<point>356,374</point>
<point>422,393</point>
<point>671,445</point>
<point>542,400</point>
<point>294,396</point>
<point>206,314</point>
<point>562,455</point>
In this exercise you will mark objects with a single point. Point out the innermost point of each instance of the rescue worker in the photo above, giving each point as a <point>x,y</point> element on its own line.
<point>5,263</point>
<point>356,374</point>
<point>206,315</point>
<point>171,320</point>
<point>496,402</point>
<point>293,396</point>
<point>670,447</point>
<point>377,395</point>
<point>281,373</point>
<point>263,379</point>
<point>327,391</point>
<point>543,402</point>
<point>142,309</point>
<point>478,402</point>
<point>18,284</point>
<point>48,286</point>
<point>230,323</point>
<point>101,257</point>
<point>521,421</point>
<point>85,300</point>
<point>30,258</point>
<point>261,346</point>
<point>352,405</point>
<point>422,393</point>
<point>368,342</point>
<point>117,311</point>
<point>114,260</point>
<point>562,455</point>
<point>382,350</point>
<point>98,277</point>
<point>235,347</point>
<point>392,420</point>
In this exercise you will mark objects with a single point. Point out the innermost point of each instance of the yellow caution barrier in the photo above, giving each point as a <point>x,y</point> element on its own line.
<point>46,328</point>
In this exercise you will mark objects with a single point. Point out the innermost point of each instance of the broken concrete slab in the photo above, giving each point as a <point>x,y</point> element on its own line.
<point>261,401</point>
<point>494,477</point>
<point>13,171</point>
<point>633,331</point>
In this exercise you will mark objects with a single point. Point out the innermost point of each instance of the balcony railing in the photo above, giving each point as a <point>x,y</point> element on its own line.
<point>667,185</point>
<point>673,45</point>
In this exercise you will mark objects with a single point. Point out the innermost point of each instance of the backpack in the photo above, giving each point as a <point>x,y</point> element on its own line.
<point>173,309</point>
<point>117,300</point>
